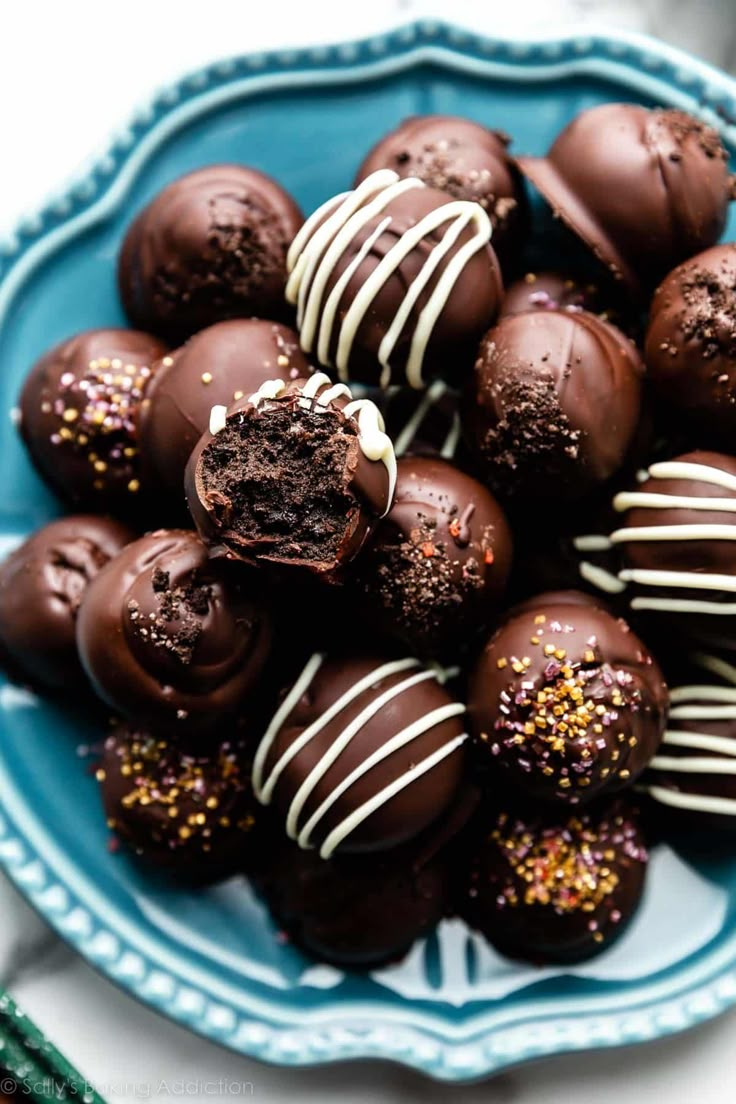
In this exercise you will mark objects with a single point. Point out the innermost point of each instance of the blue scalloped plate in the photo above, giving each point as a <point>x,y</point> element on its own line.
<point>210,959</point>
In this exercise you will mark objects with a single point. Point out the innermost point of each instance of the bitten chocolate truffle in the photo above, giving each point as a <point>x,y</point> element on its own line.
<point>676,541</point>
<point>435,571</point>
<point>210,246</point>
<point>171,639</point>
<point>190,812</point>
<point>41,586</point>
<point>79,412</point>
<point>555,887</point>
<point>567,700</point>
<point>296,475</point>
<point>643,188</point>
<point>362,754</point>
<point>692,779</point>
<point>464,159</point>
<point>394,282</point>
<point>553,405</point>
<point>691,342</point>
<point>217,367</point>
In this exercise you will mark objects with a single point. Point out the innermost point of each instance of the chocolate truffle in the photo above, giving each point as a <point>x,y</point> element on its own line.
<point>423,423</point>
<point>435,571</point>
<point>394,282</point>
<point>219,366</point>
<point>362,753</point>
<point>190,812</point>
<point>171,639</point>
<point>676,540</point>
<point>555,887</point>
<point>643,188</point>
<point>79,412</point>
<point>693,776</point>
<point>356,911</point>
<point>295,475</point>
<point>41,586</point>
<point>464,159</point>
<point>691,342</point>
<point>210,246</point>
<point>545,291</point>
<point>566,699</point>
<point>554,403</point>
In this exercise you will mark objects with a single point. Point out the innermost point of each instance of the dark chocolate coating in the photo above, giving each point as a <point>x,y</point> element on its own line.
<point>287,484</point>
<point>356,911</point>
<point>644,189</point>
<point>545,291</point>
<point>192,813</point>
<point>464,159</point>
<point>434,572</point>
<point>218,366</point>
<point>567,700</point>
<point>79,416</point>
<point>691,342</point>
<point>699,557</point>
<point>554,887</point>
<point>470,309</point>
<point>210,246</point>
<point>426,796</point>
<point>554,403</point>
<point>41,586</point>
<point>169,638</point>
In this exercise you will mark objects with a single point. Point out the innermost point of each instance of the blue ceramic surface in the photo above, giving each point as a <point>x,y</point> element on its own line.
<point>210,959</point>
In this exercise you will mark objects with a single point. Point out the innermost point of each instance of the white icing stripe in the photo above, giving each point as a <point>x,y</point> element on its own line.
<point>411,732</point>
<point>448,450</point>
<point>356,818</point>
<point>330,233</point>
<point>702,693</point>
<point>264,790</point>
<point>699,803</point>
<point>269,389</point>
<point>631,500</point>
<point>674,533</point>
<point>432,395</point>
<point>684,605</point>
<point>699,473</point>
<point>218,419</point>
<point>701,741</point>
<point>592,542</point>
<point>693,764</point>
<point>691,580</point>
<point>300,686</point>
<point>599,577</point>
<point>716,666</point>
<point>703,713</point>
<point>338,746</point>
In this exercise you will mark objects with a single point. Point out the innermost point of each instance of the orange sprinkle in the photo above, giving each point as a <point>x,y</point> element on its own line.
<point>428,549</point>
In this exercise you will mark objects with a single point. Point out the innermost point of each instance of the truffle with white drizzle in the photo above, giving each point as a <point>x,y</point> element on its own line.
<point>394,282</point>
<point>362,754</point>
<point>677,545</point>
<point>296,475</point>
<point>693,776</point>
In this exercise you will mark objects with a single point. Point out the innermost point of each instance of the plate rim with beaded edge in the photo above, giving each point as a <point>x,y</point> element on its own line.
<point>439,1040</point>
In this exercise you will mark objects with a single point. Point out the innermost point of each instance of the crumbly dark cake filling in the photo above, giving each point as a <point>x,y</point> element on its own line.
<point>276,480</point>
<point>177,626</point>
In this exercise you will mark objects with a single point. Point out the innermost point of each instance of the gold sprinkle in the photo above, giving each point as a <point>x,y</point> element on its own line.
<point>206,377</point>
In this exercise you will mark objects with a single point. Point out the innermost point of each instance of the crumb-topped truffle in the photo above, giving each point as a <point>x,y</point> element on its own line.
<point>435,570</point>
<point>191,812</point>
<point>567,701</point>
<point>554,887</point>
<point>79,411</point>
<point>171,639</point>
<point>464,159</point>
<point>210,246</point>
<point>643,188</point>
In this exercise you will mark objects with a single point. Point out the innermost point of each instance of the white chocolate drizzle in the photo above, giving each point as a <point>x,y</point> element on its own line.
<point>653,579</point>
<point>317,393</point>
<point>433,395</point>
<point>329,234</point>
<point>710,754</point>
<point>264,785</point>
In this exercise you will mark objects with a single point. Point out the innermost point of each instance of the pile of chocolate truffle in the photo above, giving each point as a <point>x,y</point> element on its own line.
<point>377,533</point>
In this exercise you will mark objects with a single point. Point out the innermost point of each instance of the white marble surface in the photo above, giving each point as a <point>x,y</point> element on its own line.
<point>68,74</point>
